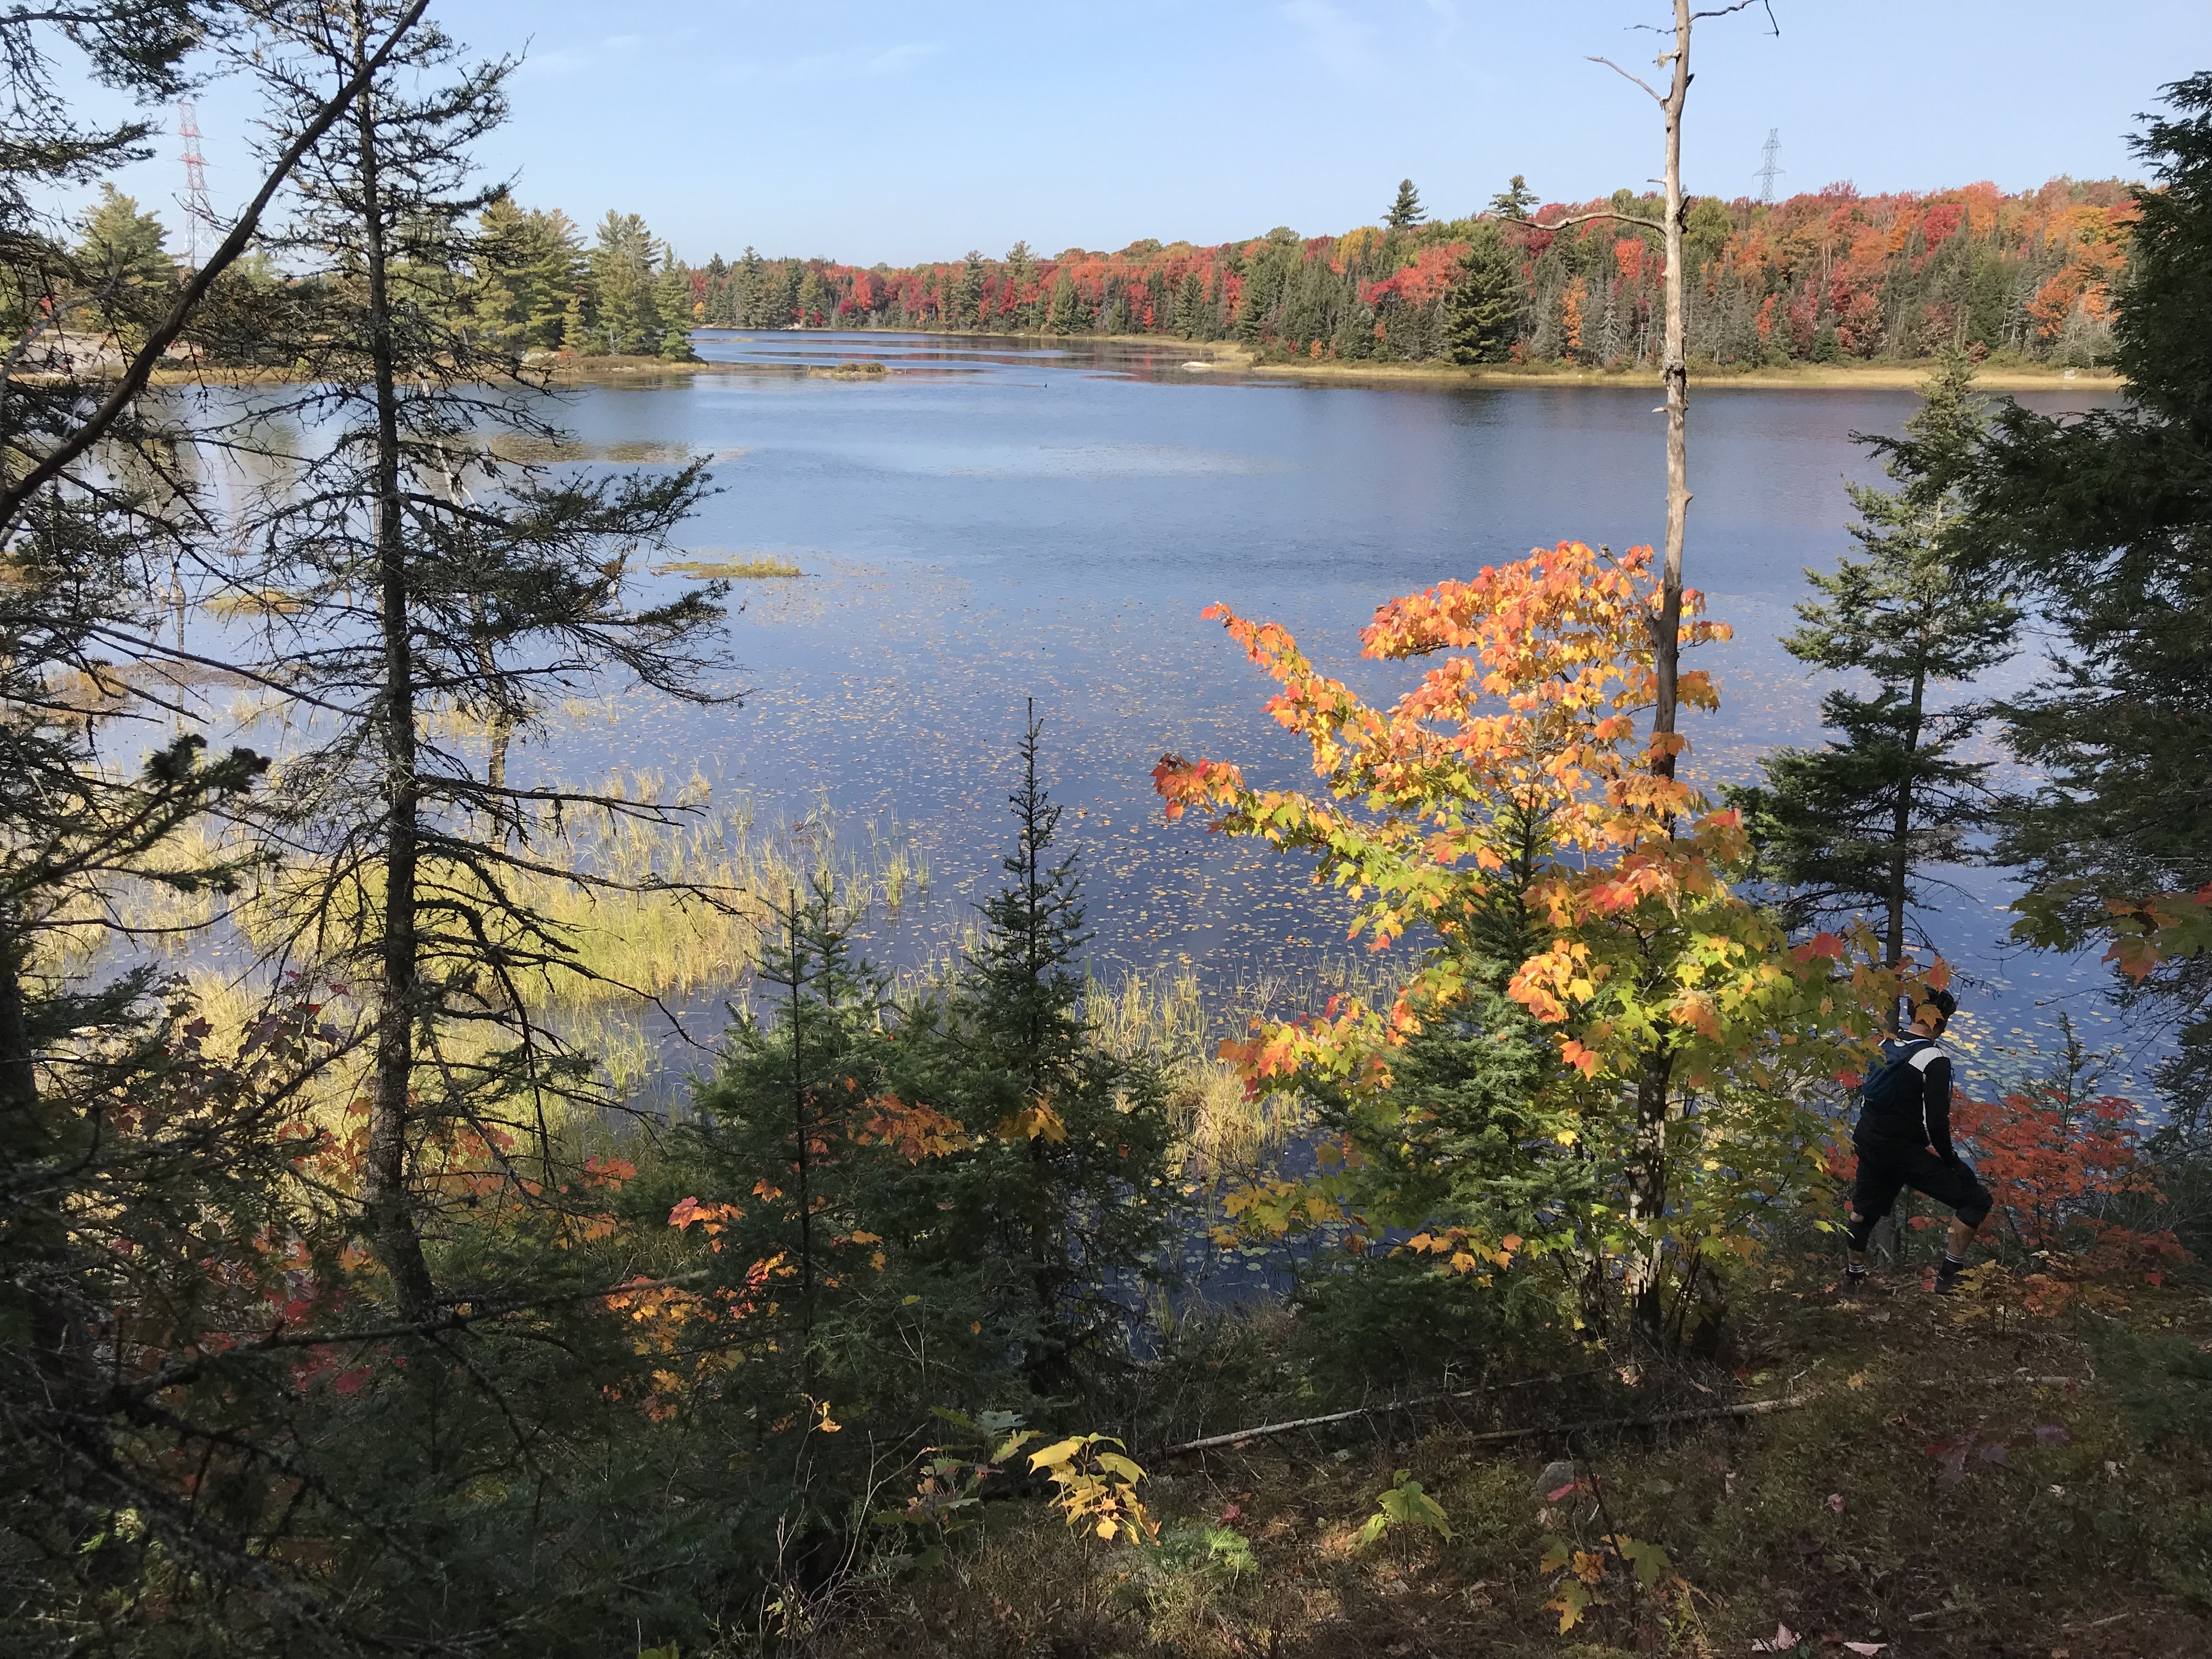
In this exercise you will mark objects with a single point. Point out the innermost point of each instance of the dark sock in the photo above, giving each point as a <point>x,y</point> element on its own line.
<point>1855,1269</point>
<point>1953,1263</point>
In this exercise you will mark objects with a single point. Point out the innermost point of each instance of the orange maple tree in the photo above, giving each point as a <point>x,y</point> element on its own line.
<point>1506,805</point>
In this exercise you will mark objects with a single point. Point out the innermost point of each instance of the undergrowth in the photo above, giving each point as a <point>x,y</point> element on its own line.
<point>1950,1476</point>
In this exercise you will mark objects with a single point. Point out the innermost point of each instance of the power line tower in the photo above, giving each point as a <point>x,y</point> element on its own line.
<point>1772,169</point>
<point>198,214</point>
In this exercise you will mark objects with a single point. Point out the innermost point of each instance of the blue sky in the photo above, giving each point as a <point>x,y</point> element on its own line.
<point>871,132</point>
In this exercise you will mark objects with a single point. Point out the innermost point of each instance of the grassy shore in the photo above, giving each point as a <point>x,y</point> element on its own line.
<point>1227,355</point>
<point>1807,377</point>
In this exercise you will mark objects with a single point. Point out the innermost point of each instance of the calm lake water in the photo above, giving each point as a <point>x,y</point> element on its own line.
<point>987,525</point>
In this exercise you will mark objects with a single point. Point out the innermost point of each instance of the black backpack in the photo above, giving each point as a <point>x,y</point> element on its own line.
<point>1891,1095</point>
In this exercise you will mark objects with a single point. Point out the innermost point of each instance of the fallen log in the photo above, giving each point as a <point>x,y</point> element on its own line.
<point>1263,1431</point>
<point>1657,1419</point>
<point>1498,1436</point>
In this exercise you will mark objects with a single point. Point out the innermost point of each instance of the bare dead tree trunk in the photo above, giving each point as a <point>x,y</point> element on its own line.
<point>1647,1167</point>
<point>1675,369</point>
<point>385,1192</point>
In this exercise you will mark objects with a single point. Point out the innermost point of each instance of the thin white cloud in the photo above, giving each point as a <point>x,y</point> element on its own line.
<point>895,58</point>
<point>1341,44</point>
<point>868,61</point>
<point>564,61</point>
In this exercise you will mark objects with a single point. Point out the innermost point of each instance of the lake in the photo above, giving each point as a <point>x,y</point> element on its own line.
<point>991,522</point>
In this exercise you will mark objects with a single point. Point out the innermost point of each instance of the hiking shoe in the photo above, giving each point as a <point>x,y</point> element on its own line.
<point>1852,1285</point>
<point>1947,1277</point>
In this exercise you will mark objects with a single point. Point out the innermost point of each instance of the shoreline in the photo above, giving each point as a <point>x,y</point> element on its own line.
<point>1227,355</point>
<point>1907,374</point>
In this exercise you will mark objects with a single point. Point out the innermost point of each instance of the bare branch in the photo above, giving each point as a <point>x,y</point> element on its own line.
<point>1742,5</point>
<point>1585,218</point>
<point>1638,79</point>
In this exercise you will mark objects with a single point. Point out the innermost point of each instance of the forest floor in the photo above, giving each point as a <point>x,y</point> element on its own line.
<point>2010,1472</point>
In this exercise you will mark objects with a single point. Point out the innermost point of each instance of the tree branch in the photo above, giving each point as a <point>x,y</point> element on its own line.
<point>1742,5</point>
<point>1585,218</point>
<point>16,496</point>
<point>1625,76</point>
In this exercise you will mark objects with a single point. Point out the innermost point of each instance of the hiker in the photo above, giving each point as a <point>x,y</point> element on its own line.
<point>1904,1140</point>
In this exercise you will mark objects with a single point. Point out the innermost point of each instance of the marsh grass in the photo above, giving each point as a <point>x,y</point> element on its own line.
<point>680,887</point>
<point>254,602</point>
<point>728,568</point>
<point>1180,1024</point>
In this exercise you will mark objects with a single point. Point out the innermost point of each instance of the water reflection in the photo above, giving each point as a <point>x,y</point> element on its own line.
<point>994,520</point>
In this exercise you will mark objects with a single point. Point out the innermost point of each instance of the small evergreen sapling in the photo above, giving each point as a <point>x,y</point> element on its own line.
<point>1064,1196</point>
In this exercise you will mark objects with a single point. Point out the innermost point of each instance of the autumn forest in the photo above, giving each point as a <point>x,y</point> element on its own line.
<point>1828,277</point>
<point>1297,949</point>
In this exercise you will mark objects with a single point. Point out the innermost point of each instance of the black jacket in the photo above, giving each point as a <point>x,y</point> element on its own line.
<point>1907,1098</point>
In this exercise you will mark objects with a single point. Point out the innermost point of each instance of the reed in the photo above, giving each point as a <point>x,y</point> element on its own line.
<point>1179,1025</point>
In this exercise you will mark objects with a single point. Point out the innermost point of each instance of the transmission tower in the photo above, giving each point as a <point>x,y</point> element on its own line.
<point>197,211</point>
<point>1772,169</point>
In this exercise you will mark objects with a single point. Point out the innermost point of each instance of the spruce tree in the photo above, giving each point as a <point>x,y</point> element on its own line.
<point>2105,518</point>
<point>1404,212</point>
<point>1021,269</point>
<point>969,313</point>
<point>433,577</point>
<point>1067,1188</point>
<point>1482,308</point>
<point>1853,828</point>
<point>1068,314</point>
<point>139,1152</point>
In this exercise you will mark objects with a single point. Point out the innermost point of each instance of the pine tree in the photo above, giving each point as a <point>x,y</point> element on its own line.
<point>969,312</point>
<point>122,261</point>
<point>1482,308</point>
<point>673,304</point>
<point>1514,203</point>
<point>1404,212</point>
<point>577,338</point>
<point>1854,828</point>
<point>1021,269</point>
<point>628,318</point>
<point>750,280</point>
<point>1068,314</point>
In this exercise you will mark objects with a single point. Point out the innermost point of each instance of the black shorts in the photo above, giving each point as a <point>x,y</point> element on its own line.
<point>1886,1166</point>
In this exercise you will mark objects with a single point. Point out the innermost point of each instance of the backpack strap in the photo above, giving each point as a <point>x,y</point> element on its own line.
<point>1920,1060</point>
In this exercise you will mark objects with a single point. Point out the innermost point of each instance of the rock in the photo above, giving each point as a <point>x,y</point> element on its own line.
<point>1557,1473</point>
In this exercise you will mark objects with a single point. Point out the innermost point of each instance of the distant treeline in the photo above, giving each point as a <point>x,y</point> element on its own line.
<point>1822,277</point>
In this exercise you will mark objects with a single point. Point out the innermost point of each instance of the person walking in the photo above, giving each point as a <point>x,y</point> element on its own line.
<point>1904,1140</point>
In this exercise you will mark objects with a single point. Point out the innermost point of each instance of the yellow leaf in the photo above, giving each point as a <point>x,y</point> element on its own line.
<point>1856,1380</point>
<point>1059,1452</point>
